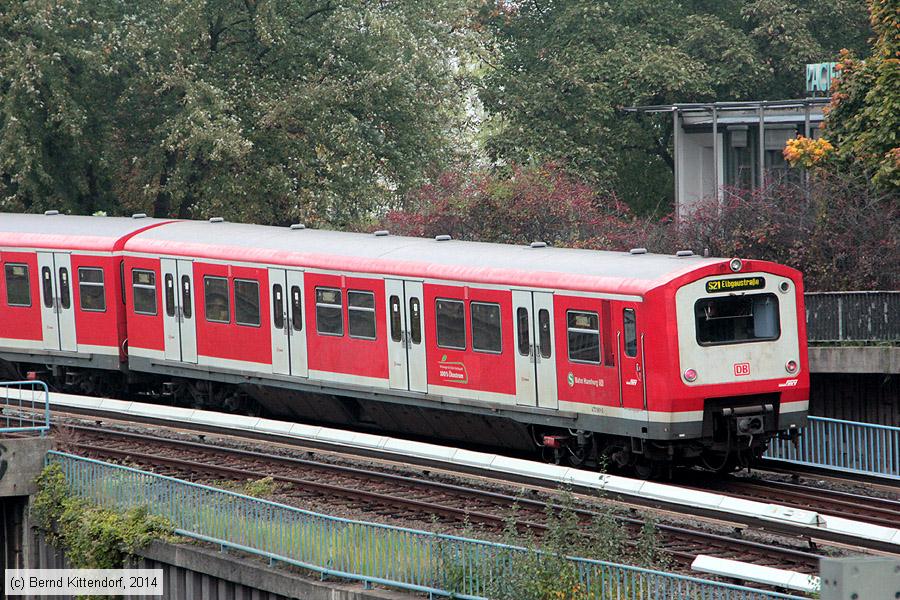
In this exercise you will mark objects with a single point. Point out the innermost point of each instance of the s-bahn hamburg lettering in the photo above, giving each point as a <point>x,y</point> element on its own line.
<point>735,285</point>
<point>623,355</point>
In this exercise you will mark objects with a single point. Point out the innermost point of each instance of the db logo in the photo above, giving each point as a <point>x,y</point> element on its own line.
<point>741,369</point>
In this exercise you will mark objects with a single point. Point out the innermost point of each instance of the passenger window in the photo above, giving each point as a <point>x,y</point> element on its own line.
<point>187,303</point>
<point>47,286</point>
<point>451,324</point>
<point>361,314</point>
<point>584,336</point>
<point>246,302</point>
<point>65,298</point>
<point>278,306</point>
<point>329,311</point>
<point>18,285</point>
<point>396,319</point>
<point>415,321</point>
<point>215,295</point>
<point>143,285</point>
<point>169,284</point>
<point>296,308</point>
<point>544,333</point>
<point>522,333</point>
<point>486,330</point>
<point>630,332</point>
<point>90,289</point>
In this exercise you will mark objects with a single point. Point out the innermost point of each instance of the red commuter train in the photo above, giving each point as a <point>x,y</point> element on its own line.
<point>644,359</point>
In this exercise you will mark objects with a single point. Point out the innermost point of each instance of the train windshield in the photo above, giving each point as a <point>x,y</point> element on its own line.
<point>737,319</point>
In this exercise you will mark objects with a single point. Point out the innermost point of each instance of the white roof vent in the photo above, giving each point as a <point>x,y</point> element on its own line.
<point>638,251</point>
<point>51,213</point>
<point>217,220</point>
<point>297,226</point>
<point>442,238</point>
<point>139,216</point>
<point>382,233</point>
<point>538,244</point>
<point>684,253</point>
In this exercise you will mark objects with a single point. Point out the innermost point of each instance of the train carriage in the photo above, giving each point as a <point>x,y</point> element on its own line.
<point>61,303</point>
<point>648,358</point>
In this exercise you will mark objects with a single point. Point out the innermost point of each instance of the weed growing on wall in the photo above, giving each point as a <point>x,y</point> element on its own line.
<point>92,537</point>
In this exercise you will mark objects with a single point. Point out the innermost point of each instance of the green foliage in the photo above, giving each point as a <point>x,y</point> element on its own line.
<point>864,117</point>
<point>92,537</point>
<point>261,488</point>
<point>564,69</point>
<point>264,110</point>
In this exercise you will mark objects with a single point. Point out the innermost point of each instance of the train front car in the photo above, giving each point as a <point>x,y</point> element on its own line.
<point>738,371</point>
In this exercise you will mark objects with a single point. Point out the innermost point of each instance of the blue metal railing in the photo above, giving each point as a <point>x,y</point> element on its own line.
<point>848,446</point>
<point>374,554</point>
<point>26,407</point>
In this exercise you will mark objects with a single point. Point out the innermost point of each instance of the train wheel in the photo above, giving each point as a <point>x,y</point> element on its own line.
<point>648,469</point>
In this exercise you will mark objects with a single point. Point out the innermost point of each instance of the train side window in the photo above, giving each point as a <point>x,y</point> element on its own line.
<point>18,285</point>
<point>361,314</point>
<point>246,302</point>
<point>486,329</point>
<point>90,289</point>
<point>278,306</point>
<point>329,311</point>
<point>630,323</point>
<point>143,285</point>
<point>187,303</point>
<point>522,333</point>
<point>169,285</point>
<point>583,336</point>
<point>451,324</point>
<point>415,321</point>
<point>296,308</point>
<point>65,297</point>
<point>396,319</point>
<point>544,333</point>
<point>215,299</point>
<point>47,286</point>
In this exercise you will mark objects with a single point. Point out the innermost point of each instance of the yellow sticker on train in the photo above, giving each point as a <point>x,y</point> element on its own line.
<point>735,285</point>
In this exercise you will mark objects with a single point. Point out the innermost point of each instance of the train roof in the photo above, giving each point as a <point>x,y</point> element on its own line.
<point>471,262</point>
<point>68,232</point>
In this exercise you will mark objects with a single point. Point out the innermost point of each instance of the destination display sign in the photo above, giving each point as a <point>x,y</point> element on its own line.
<point>735,285</point>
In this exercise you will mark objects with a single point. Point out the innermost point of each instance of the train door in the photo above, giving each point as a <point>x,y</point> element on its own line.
<point>288,338</point>
<point>57,306</point>
<point>632,380</point>
<point>406,342</point>
<point>535,349</point>
<point>179,318</point>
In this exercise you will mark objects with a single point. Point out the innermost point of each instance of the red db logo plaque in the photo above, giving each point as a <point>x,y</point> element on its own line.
<point>741,369</point>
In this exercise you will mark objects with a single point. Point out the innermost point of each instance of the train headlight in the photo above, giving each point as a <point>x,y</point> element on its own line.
<point>690,375</point>
<point>735,264</point>
<point>791,366</point>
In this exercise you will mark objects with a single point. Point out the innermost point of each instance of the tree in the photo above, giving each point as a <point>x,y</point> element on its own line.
<point>54,77</point>
<point>264,110</point>
<point>863,120</point>
<point>564,68</point>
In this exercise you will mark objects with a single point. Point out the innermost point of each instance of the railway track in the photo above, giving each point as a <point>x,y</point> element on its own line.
<point>868,509</point>
<point>403,497</point>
